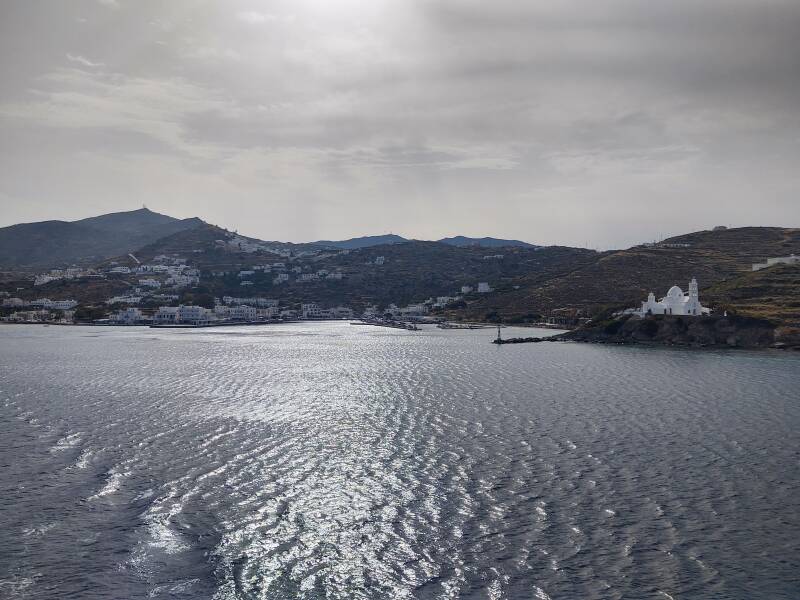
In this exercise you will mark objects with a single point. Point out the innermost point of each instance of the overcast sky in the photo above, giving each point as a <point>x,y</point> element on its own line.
<point>597,122</point>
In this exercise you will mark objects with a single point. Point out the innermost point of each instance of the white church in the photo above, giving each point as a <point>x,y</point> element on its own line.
<point>676,302</point>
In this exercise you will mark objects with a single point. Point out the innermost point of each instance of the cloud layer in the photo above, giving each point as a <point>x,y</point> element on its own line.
<point>600,123</point>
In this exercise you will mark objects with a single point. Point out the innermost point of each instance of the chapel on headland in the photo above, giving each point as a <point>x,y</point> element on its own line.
<point>676,302</point>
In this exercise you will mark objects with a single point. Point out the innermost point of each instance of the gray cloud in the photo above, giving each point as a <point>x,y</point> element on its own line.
<point>553,122</point>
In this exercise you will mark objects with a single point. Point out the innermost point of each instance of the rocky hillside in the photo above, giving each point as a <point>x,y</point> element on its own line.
<point>624,277</point>
<point>772,293</point>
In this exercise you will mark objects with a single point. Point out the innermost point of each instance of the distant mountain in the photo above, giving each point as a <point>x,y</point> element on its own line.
<point>362,242</point>
<point>459,241</point>
<point>50,244</point>
<point>484,242</point>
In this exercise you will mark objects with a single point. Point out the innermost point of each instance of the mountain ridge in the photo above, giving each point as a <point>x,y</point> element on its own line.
<point>55,243</point>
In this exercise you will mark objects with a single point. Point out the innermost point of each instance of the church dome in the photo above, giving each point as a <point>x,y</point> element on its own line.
<point>675,292</point>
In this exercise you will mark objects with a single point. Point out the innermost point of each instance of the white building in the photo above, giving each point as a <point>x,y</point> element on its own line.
<point>414,310</point>
<point>183,280</point>
<point>267,313</point>
<point>780,260</point>
<point>243,313</point>
<point>13,303</point>
<point>151,283</point>
<point>483,288</point>
<point>466,289</point>
<point>196,315</point>
<point>166,315</point>
<point>62,304</point>
<point>442,301</point>
<point>281,278</point>
<point>191,315</point>
<point>250,301</point>
<point>128,316</point>
<point>310,311</point>
<point>124,300</point>
<point>675,302</point>
<point>379,260</point>
<point>43,279</point>
<point>54,304</point>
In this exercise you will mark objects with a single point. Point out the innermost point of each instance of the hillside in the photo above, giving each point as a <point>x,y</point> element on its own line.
<point>625,277</point>
<point>772,293</point>
<point>411,272</point>
<point>484,242</point>
<point>51,244</point>
<point>362,242</point>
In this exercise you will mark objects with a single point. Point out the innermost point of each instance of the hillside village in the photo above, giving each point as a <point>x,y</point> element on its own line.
<point>200,274</point>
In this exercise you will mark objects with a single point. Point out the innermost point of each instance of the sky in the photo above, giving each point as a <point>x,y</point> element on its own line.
<point>599,123</point>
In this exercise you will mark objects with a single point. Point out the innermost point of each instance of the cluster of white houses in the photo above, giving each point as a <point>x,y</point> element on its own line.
<point>41,303</point>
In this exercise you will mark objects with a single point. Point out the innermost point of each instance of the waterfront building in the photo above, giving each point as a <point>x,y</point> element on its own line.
<point>267,313</point>
<point>780,260</point>
<point>310,310</point>
<point>676,302</point>
<point>13,303</point>
<point>195,315</point>
<point>128,316</point>
<point>166,315</point>
<point>243,313</point>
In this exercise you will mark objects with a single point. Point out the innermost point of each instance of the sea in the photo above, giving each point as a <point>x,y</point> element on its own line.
<point>336,461</point>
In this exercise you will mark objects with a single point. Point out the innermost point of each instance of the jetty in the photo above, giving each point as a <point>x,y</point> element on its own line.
<point>391,323</point>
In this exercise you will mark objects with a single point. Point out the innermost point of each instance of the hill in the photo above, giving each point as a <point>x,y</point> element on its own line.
<point>50,244</point>
<point>362,242</point>
<point>624,277</point>
<point>484,242</point>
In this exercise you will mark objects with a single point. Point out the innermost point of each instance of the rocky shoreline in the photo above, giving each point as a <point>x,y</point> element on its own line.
<point>714,331</point>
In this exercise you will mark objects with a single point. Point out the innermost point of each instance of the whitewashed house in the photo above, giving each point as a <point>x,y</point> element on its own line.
<point>780,260</point>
